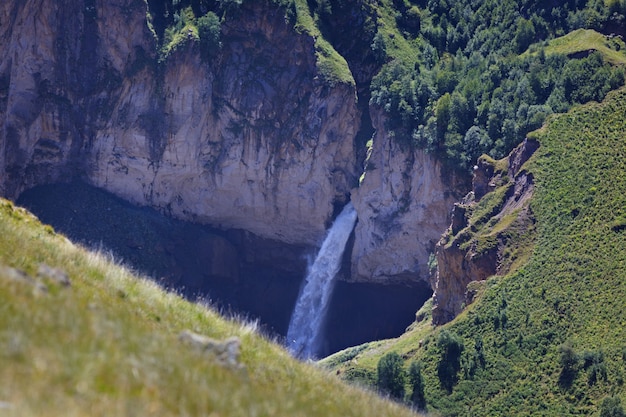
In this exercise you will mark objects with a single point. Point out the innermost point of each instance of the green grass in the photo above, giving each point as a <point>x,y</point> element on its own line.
<point>613,50</point>
<point>398,47</point>
<point>108,345</point>
<point>332,66</point>
<point>571,290</point>
<point>177,36</point>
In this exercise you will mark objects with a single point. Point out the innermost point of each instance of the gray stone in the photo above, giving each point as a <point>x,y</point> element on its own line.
<point>17,275</point>
<point>55,275</point>
<point>225,351</point>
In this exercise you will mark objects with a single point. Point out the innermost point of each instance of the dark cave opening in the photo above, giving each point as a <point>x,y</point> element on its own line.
<point>235,271</point>
<point>384,310</point>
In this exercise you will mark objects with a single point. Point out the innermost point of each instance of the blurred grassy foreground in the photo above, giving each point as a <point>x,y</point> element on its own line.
<point>108,345</point>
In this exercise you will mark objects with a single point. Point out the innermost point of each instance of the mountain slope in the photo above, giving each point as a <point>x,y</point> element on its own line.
<point>109,344</point>
<point>547,339</point>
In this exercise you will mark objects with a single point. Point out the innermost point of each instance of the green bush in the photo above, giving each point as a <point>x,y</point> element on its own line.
<point>209,29</point>
<point>451,346</point>
<point>418,399</point>
<point>593,362</point>
<point>612,407</point>
<point>569,364</point>
<point>230,6</point>
<point>391,375</point>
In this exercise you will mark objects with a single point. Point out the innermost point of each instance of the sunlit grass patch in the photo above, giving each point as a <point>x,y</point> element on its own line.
<point>612,48</point>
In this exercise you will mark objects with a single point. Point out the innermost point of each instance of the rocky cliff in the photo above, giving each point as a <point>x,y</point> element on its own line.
<point>490,231</point>
<point>404,203</point>
<point>256,140</point>
<point>253,137</point>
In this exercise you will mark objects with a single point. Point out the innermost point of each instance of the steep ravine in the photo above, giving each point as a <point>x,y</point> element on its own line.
<point>405,195</point>
<point>253,139</point>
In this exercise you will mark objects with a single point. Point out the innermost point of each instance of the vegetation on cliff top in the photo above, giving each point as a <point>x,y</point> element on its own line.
<point>456,78</point>
<point>177,22</point>
<point>548,339</point>
<point>108,344</point>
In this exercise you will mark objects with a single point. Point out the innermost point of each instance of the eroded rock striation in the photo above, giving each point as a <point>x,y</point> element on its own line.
<point>404,203</point>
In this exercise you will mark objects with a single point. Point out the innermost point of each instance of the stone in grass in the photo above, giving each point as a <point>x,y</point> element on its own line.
<point>225,351</point>
<point>17,275</point>
<point>5,405</point>
<point>58,276</point>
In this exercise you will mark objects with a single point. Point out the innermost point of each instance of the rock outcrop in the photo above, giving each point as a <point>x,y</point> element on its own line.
<point>403,203</point>
<point>491,231</point>
<point>226,352</point>
<point>255,139</point>
<point>62,65</point>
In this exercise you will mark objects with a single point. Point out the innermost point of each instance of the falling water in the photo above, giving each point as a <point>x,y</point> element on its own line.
<point>308,314</point>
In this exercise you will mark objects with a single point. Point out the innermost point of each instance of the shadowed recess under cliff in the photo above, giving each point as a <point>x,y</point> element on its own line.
<point>240,273</point>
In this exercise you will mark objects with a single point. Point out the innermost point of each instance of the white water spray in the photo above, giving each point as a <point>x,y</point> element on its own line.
<point>310,309</point>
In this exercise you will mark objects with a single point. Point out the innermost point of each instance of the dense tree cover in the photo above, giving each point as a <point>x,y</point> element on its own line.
<point>474,87</point>
<point>487,106</point>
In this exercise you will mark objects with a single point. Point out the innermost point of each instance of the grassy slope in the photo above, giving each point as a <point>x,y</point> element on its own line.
<point>108,345</point>
<point>331,65</point>
<point>572,289</point>
<point>586,39</point>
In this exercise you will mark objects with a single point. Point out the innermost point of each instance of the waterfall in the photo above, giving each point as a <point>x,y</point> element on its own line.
<point>310,309</point>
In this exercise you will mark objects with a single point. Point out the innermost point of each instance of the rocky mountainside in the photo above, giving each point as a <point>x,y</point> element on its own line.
<point>254,137</point>
<point>485,240</point>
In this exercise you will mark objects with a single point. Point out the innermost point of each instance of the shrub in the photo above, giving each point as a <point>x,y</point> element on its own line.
<point>569,364</point>
<point>391,375</point>
<point>474,359</point>
<point>451,347</point>
<point>593,362</point>
<point>209,29</point>
<point>230,6</point>
<point>612,407</point>
<point>417,383</point>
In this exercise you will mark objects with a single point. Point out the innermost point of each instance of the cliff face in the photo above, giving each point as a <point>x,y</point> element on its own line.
<point>252,138</point>
<point>491,233</point>
<point>404,203</point>
<point>255,140</point>
<point>61,66</point>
